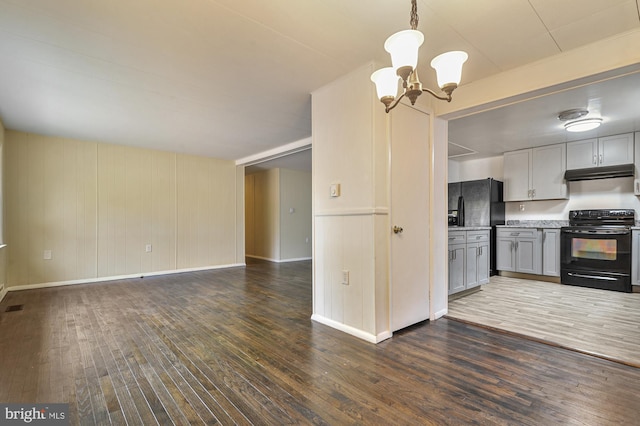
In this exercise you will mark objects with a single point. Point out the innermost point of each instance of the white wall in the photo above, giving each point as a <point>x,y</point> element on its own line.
<point>295,215</point>
<point>475,169</point>
<point>593,194</point>
<point>351,232</point>
<point>589,194</point>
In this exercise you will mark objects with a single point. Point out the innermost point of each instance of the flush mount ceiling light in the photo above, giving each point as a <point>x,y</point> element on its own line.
<point>583,125</point>
<point>403,48</point>
<point>575,122</point>
<point>572,114</point>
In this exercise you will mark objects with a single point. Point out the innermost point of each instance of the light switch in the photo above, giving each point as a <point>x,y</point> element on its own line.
<point>147,248</point>
<point>334,190</point>
<point>47,255</point>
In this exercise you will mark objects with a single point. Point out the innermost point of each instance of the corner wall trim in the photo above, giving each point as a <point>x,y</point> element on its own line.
<point>371,338</point>
<point>440,313</point>
<point>120,277</point>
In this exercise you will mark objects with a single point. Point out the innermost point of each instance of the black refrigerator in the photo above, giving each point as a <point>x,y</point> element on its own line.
<point>481,205</point>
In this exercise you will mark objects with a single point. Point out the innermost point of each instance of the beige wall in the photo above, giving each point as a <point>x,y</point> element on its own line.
<point>97,206</point>
<point>263,214</point>
<point>3,250</point>
<point>273,232</point>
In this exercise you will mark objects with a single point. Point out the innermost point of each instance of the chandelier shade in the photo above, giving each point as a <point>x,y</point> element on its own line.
<point>386,81</point>
<point>448,67</point>
<point>403,48</point>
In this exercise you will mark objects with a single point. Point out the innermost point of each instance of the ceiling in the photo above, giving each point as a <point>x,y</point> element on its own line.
<point>232,78</point>
<point>535,122</point>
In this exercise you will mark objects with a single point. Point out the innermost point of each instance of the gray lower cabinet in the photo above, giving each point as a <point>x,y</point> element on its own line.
<point>551,252</point>
<point>468,260</point>
<point>519,250</point>
<point>635,257</point>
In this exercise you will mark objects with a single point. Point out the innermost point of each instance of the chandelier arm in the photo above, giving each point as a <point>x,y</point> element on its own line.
<point>435,95</point>
<point>392,106</point>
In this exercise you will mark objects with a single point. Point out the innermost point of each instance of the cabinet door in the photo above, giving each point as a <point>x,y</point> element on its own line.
<point>551,252</point>
<point>582,154</point>
<point>547,173</point>
<point>616,149</point>
<point>517,171</point>
<point>636,156</point>
<point>456,268</point>
<point>471,267</point>
<point>528,256</point>
<point>505,260</point>
<point>482,269</point>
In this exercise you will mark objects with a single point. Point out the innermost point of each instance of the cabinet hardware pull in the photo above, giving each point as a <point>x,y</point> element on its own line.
<point>594,159</point>
<point>601,159</point>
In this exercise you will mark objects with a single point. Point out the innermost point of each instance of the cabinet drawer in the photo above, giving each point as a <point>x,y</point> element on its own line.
<point>518,232</point>
<point>457,237</point>
<point>477,236</point>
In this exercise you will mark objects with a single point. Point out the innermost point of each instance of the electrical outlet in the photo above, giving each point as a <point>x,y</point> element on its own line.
<point>147,248</point>
<point>47,255</point>
<point>521,207</point>
<point>345,277</point>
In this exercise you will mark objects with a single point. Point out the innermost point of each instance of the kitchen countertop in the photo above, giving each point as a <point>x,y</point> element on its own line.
<point>535,224</point>
<point>469,228</point>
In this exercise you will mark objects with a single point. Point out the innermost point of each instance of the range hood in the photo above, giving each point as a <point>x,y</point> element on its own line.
<point>605,172</point>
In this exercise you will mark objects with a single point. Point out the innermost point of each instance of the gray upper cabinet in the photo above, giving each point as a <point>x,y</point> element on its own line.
<point>606,151</point>
<point>535,174</point>
<point>517,175</point>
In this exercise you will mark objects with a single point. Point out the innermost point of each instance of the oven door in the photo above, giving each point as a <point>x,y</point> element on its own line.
<point>596,257</point>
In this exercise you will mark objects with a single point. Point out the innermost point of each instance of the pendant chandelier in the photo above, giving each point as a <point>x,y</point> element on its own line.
<point>403,48</point>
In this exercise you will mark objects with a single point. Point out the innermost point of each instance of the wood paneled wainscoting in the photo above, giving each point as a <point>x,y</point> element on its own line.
<point>237,346</point>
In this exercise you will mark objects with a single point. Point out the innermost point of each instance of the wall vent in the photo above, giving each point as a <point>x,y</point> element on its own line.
<point>14,308</point>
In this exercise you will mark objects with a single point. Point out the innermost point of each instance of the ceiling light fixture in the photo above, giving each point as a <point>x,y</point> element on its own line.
<point>583,125</point>
<point>403,48</point>
<point>572,114</point>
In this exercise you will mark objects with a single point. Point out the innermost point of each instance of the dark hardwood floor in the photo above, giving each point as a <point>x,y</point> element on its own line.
<point>237,346</point>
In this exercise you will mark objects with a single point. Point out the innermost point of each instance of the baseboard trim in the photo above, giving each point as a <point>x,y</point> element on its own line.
<point>268,259</point>
<point>4,292</point>
<point>371,338</point>
<point>120,277</point>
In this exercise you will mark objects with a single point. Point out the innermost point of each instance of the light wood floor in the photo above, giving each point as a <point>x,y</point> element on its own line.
<point>237,346</point>
<point>598,322</point>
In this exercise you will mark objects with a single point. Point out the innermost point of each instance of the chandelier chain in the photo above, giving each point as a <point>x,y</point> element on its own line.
<point>414,15</point>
